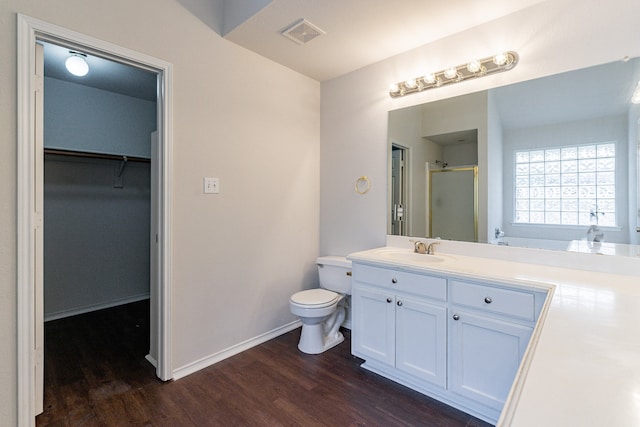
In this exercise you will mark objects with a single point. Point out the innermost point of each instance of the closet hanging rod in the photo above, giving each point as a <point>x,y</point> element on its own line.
<point>72,153</point>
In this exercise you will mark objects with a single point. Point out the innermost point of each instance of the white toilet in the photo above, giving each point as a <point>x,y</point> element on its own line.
<point>323,310</point>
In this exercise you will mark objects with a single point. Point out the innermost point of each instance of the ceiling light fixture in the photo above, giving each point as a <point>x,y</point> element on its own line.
<point>476,68</point>
<point>77,64</point>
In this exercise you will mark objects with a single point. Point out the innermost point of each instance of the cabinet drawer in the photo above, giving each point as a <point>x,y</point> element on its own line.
<point>497,300</point>
<point>400,281</point>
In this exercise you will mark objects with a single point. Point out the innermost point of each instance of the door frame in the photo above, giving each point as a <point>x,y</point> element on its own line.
<point>29,218</point>
<point>406,188</point>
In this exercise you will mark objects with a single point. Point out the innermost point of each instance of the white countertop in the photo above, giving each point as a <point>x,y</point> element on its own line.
<point>582,367</point>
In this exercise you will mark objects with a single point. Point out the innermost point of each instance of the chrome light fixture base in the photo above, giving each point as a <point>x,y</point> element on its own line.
<point>477,68</point>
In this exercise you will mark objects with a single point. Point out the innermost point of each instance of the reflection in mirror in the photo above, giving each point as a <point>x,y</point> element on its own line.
<point>453,202</point>
<point>557,161</point>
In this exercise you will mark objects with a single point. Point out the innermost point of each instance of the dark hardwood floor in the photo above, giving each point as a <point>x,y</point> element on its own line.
<point>96,375</point>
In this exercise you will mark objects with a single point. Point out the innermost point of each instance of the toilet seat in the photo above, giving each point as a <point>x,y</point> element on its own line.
<point>315,298</point>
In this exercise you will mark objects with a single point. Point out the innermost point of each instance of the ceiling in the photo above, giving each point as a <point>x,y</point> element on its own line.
<point>357,33</point>
<point>360,32</point>
<point>103,73</point>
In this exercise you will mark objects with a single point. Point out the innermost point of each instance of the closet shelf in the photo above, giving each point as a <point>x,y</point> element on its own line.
<point>73,153</point>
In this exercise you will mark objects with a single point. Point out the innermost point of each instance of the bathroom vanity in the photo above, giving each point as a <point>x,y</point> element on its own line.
<point>456,339</point>
<point>512,336</point>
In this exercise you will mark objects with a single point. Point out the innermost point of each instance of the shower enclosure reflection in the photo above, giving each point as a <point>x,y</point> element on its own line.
<point>453,203</point>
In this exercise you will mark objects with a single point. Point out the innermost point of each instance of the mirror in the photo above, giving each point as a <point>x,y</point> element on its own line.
<point>589,107</point>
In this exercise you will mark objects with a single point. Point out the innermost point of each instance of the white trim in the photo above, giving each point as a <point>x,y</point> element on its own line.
<point>94,307</point>
<point>151,360</point>
<point>165,137</point>
<point>25,222</point>
<point>233,350</point>
<point>30,30</point>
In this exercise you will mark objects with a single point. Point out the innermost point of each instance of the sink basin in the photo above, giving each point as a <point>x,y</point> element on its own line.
<point>403,255</point>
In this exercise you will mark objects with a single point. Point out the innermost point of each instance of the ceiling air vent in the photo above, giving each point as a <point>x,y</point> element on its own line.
<point>302,32</point>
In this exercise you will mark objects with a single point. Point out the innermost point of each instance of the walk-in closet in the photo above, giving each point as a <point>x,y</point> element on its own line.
<point>97,139</point>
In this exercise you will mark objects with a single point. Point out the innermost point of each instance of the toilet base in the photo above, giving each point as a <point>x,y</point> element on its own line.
<point>313,340</point>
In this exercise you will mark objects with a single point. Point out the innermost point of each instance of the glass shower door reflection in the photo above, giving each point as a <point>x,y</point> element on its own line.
<point>453,203</point>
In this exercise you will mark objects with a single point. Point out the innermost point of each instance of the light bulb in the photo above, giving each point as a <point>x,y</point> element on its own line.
<point>451,73</point>
<point>77,65</point>
<point>410,84</point>
<point>394,88</point>
<point>474,66</point>
<point>429,78</point>
<point>500,59</point>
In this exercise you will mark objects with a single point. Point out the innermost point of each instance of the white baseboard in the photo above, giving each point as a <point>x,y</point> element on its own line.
<point>94,307</point>
<point>232,351</point>
<point>151,360</point>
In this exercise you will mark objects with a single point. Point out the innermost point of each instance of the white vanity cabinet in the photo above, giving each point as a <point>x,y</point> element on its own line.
<point>489,330</point>
<point>401,322</point>
<point>458,341</point>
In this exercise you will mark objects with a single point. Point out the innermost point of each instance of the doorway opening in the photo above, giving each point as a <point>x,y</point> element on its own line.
<point>399,191</point>
<point>31,34</point>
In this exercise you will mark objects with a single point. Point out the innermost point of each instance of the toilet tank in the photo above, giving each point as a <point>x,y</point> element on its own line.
<point>335,274</point>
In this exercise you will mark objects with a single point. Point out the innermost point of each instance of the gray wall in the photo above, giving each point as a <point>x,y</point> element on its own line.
<point>77,117</point>
<point>96,236</point>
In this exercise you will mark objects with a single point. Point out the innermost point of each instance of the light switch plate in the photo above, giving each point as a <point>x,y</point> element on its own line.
<point>211,185</point>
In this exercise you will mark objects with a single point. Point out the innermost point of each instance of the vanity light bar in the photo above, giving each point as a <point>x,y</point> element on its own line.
<point>477,68</point>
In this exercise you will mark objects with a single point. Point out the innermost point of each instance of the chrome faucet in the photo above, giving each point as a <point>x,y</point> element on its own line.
<point>430,248</point>
<point>421,247</point>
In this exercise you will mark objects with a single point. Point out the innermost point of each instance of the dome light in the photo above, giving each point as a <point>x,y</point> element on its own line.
<point>77,64</point>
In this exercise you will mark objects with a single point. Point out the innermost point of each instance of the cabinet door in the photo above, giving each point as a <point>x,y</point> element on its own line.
<point>421,340</point>
<point>484,356</point>
<point>373,333</point>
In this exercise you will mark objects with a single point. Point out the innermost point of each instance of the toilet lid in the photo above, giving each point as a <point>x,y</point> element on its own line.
<point>315,297</point>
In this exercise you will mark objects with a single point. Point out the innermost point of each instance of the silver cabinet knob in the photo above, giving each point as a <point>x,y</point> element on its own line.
<point>394,280</point>
<point>399,303</point>
<point>456,317</point>
<point>488,300</point>
<point>389,300</point>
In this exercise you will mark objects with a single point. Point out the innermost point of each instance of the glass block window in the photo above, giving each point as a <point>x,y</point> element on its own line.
<point>572,185</point>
